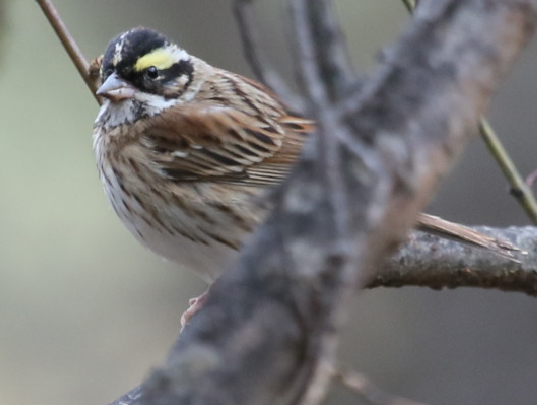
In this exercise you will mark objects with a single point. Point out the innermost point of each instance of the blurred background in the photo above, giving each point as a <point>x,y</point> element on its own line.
<point>85,311</point>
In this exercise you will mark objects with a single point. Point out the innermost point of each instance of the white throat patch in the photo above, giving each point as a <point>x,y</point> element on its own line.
<point>127,111</point>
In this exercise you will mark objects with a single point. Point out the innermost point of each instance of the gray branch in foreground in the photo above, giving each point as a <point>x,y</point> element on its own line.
<point>430,261</point>
<point>272,319</point>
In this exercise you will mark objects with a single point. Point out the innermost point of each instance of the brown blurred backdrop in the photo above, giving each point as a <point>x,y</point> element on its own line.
<point>85,311</point>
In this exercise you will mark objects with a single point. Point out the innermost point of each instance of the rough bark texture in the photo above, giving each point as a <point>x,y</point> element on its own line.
<point>430,261</point>
<point>376,160</point>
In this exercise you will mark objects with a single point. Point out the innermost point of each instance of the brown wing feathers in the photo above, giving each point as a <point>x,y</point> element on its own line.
<point>196,142</point>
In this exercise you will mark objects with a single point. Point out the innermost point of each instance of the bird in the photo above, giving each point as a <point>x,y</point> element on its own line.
<point>186,153</point>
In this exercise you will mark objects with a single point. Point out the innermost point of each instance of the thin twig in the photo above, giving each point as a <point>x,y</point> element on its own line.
<point>519,188</point>
<point>410,5</point>
<point>360,384</point>
<point>243,11</point>
<point>68,43</point>
<point>318,40</point>
<point>332,55</point>
<point>307,72</point>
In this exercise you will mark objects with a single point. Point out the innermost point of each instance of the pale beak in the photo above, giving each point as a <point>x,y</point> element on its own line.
<point>115,88</point>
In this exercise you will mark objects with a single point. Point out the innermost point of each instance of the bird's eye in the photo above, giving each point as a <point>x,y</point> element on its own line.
<point>152,72</point>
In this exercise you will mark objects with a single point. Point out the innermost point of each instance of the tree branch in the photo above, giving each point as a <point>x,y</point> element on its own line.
<point>320,40</point>
<point>69,44</point>
<point>519,189</point>
<point>244,15</point>
<point>430,261</point>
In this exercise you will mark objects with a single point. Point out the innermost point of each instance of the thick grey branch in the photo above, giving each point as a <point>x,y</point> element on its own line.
<point>430,261</point>
<point>270,320</point>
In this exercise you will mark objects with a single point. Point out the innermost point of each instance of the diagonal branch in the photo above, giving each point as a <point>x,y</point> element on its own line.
<point>519,189</point>
<point>69,44</point>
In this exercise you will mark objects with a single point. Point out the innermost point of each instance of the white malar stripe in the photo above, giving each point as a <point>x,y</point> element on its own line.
<point>127,111</point>
<point>153,103</point>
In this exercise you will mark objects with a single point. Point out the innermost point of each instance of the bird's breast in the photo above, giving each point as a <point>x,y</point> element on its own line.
<point>200,226</point>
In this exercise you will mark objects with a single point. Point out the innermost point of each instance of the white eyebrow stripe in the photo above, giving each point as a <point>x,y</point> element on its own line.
<point>180,54</point>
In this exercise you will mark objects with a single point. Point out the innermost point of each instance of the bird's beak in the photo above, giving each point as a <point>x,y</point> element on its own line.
<point>115,88</point>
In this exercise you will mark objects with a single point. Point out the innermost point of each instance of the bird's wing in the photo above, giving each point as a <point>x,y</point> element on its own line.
<point>201,142</point>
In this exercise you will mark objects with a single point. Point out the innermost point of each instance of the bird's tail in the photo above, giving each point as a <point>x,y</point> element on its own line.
<point>460,233</point>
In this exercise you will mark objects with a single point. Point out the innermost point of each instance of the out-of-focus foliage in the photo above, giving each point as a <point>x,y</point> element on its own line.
<point>85,311</point>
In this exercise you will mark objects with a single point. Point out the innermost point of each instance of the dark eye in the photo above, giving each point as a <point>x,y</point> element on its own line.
<point>152,72</point>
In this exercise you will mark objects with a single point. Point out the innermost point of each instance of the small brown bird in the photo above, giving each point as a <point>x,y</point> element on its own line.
<point>185,150</point>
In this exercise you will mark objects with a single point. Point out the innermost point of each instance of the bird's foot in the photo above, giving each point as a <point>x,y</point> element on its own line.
<point>196,304</point>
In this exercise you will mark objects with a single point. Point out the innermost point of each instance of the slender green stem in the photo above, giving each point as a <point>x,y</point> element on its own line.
<point>519,189</point>
<point>69,44</point>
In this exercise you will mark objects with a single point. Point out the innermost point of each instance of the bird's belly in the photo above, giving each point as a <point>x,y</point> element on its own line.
<point>209,260</point>
<point>198,226</point>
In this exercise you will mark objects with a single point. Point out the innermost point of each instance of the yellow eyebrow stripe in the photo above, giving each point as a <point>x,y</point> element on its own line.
<point>160,58</point>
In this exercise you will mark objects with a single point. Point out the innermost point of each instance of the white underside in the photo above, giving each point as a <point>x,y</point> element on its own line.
<point>208,261</point>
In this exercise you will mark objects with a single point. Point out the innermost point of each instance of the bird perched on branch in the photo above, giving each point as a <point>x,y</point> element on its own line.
<point>185,150</point>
